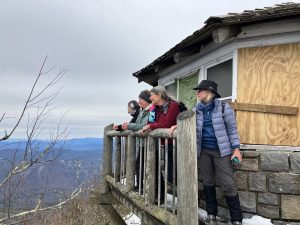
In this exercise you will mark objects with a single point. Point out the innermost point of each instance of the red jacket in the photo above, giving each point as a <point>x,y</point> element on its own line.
<point>168,119</point>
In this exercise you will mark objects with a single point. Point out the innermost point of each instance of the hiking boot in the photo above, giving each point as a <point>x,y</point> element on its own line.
<point>211,220</point>
<point>235,211</point>
<point>211,201</point>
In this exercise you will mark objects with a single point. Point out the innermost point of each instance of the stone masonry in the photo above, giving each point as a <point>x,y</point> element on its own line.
<point>269,185</point>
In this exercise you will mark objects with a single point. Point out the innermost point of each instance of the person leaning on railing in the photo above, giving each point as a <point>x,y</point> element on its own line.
<point>163,115</point>
<point>133,110</point>
<point>141,121</point>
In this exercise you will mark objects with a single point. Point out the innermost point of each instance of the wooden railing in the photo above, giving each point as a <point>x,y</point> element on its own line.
<point>119,175</point>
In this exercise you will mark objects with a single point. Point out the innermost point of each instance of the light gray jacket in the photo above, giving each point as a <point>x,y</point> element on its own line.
<point>141,120</point>
<point>224,126</point>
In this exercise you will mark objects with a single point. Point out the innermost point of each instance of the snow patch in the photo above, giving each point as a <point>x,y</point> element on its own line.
<point>257,220</point>
<point>254,220</point>
<point>132,219</point>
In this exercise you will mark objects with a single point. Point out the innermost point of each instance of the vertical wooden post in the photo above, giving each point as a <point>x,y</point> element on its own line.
<point>130,162</point>
<point>117,158</point>
<point>150,171</point>
<point>107,159</point>
<point>187,211</point>
<point>114,217</point>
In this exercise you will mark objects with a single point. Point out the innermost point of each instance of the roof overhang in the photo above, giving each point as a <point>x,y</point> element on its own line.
<point>216,29</point>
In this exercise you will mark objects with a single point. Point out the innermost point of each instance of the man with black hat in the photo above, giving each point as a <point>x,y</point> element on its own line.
<point>217,146</point>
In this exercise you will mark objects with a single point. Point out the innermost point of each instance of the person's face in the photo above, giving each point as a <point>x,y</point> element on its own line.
<point>129,109</point>
<point>143,104</point>
<point>155,99</point>
<point>202,94</point>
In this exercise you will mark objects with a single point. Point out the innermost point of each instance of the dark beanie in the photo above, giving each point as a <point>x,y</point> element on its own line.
<point>133,104</point>
<point>145,95</point>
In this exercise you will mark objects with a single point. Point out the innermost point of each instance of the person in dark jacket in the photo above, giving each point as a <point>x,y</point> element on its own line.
<point>163,114</point>
<point>217,146</point>
<point>133,110</point>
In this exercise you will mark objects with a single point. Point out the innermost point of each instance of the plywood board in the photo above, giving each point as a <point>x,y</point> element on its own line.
<point>269,76</point>
<point>283,110</point>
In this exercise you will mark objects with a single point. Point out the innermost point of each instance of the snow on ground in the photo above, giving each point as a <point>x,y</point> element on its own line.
<point>132,219</point>
<point>257,220</point>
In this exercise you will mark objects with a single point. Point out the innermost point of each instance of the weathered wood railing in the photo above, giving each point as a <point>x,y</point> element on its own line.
<point>119,175</point>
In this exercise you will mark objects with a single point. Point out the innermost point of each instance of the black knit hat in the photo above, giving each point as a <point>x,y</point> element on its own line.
<point>134,104</point>
<point>145,95</point>
<point>208,85</point>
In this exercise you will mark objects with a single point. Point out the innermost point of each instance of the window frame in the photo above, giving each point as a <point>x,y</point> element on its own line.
<point>232,56</point>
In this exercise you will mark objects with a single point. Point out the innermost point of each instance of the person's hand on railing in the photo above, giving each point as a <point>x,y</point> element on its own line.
<point>172,129</point>
<point>117,127</point>
<point>125,126</point>
<point>146,128</point>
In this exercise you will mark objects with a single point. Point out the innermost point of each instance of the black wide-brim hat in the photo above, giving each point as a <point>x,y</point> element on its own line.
<point>208,85</point>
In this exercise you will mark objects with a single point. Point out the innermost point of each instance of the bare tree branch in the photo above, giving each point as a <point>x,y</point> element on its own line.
<point>33,100</point>
<point>2,117</point>
<point>74,194</point>
<point>6,136</point>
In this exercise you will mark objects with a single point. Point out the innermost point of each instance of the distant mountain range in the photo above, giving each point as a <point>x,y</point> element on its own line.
<point>80,162</point>
<point>78,144</point>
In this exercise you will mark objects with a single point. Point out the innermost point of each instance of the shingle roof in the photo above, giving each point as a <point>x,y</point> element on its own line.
<point>248,16</point>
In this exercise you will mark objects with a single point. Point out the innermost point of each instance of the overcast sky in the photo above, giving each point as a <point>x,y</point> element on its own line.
<point>102,43</point>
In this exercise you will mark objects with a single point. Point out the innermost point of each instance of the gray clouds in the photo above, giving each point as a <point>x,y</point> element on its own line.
<point>101,42</point>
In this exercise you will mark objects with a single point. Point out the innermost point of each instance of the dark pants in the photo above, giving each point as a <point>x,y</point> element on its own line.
<point>211,166</point>
<point>170,170</point>
<point>137,168</point>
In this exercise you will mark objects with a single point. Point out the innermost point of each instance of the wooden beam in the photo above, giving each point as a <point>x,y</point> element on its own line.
<point>114,133</point>
<point>150,171</point>
<point>107,159</point>
<point>118,159</point>
<point>97,198</point>
<point>161,133</point>
<point>130,162</point>
<point>137,201</point>
<point>180,56</point>
<point>221,34</point>
<point>187,187</point>
<point>284,110</point>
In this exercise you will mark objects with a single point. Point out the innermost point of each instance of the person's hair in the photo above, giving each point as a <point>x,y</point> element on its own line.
<point>159,90</point>
<point>134,104</point>
<point>210,96</point>
<point>145,95</point>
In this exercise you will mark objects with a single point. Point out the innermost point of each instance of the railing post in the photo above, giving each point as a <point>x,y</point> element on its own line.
<point>117,158</point>
<point>150,171</point>
<point>106,198</point>
<point>187,192</point>
<point>107,159</point>
<point>130,162</point>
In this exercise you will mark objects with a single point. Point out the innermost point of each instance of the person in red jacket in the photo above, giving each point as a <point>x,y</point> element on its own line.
<point>166,110</point>
<point>163,115</point>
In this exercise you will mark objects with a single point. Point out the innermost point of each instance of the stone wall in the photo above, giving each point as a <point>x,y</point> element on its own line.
<point>269,185</point>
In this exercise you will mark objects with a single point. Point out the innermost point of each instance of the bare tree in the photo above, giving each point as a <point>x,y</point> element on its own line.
<point>39,103</point>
